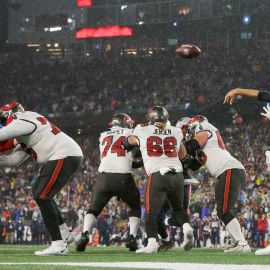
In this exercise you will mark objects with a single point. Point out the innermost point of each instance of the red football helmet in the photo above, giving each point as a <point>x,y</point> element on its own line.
<point>6,112</point>
<point>122,120</point>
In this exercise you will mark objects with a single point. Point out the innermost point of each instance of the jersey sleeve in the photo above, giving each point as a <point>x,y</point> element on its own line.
<point>138,133</point>
<point>17,128</point>
<point>198,128</point>
<point>204,127</point>
<point>264,96</point>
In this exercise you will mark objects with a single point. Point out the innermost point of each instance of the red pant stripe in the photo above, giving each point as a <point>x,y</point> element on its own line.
<point>147,196</point>
<point>53,179</point>
<point>227,191</point>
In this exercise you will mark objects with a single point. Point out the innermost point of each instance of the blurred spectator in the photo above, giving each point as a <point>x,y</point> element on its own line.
<point>262,227</point>
<point>10,229</point>
<point>19,228</point>
<point>215,230</point>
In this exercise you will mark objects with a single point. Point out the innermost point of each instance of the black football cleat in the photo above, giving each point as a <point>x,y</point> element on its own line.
<point>132,243</point>
<point>81,246</point>
<point>165,245</point>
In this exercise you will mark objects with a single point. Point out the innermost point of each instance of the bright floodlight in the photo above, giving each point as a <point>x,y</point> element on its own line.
<point>246,19</point>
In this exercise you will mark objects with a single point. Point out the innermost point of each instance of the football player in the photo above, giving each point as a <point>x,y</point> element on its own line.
<point>261,96</point>
<point>163,220</point>
<point>161,147</point>
<point>115,179</point>
<point>60,157</point>
<point>231,175</point>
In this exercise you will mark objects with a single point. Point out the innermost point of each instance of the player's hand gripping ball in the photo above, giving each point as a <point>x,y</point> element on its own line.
<point>188,51</point>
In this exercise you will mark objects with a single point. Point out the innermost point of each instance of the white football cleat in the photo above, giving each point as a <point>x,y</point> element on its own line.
<point>147,249</point>
<point>238,248</point>
<point>152,247</point>
<point>188,238</point>
<point>67,236</point>
<point>263,251</point>
<point>54,249</point>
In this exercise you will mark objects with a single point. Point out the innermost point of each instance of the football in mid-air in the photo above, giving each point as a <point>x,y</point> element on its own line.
<point>188,51</point>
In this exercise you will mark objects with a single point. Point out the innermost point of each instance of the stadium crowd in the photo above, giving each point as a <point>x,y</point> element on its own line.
<point>110,81</point>
<point>21,219</point>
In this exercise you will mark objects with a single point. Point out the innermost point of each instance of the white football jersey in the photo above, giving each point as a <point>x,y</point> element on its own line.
<point>114,158</point>
<point>40,138</point>
<point>218,158</point>
<point>159,147</point>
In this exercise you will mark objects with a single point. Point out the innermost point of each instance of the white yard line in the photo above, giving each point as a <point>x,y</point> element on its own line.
<point>151,265</point>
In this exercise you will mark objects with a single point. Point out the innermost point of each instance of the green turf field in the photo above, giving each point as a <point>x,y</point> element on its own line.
<point>24,254</point>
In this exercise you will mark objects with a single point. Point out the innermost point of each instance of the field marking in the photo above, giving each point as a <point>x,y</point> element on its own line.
<point>151,265</point>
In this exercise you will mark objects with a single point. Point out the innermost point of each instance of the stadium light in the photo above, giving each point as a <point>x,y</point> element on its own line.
<point>175,24</point>
<point>105,31</point>
<point>246,20</point>
<point>84,3</point>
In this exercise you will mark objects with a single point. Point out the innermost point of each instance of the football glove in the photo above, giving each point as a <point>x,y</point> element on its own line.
<point>267,112</point>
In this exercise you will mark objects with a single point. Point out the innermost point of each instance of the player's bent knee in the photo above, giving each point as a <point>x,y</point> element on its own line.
<point>42,201</point>
<point>226,218</point>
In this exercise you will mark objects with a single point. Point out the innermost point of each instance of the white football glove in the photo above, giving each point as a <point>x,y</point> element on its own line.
<point>267,158</point>
<point>267,111</point>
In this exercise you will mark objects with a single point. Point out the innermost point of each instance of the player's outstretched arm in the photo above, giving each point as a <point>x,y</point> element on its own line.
<point>16,158</point>
<point>231,95</point>
<point>16,129</point>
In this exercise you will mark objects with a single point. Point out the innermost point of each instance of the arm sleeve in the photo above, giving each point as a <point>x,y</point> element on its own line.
<point>264,96</point>
<point>17,157</point>
<point>16,129</point>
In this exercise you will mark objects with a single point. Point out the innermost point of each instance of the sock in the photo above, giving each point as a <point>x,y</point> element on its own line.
<point>63,227</point>
<point>58,243</point>
<point>89,220</point>
<point>134,223</point>
<point>166,221</point>
<point>186,227</point>
<point>234,229</point>
<point>152,242</point>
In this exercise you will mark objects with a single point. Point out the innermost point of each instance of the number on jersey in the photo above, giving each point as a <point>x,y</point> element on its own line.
<point>156,146</point>
<point>55,130</point>
<point>221,144</point>
<point>116,147</point>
